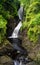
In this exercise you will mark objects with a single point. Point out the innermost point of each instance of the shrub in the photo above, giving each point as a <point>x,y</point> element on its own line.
<point>32,19</point>
<point>8,9</point>
<point>3,23</point>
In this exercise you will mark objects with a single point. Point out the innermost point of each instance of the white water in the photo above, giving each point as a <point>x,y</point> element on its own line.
<point>16,30</point>
<point>21,63</point>
<point>16,63</point>
<point>20,13</point>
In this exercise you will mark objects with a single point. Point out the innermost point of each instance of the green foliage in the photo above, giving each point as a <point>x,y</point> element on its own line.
<point>34,28</point>
<point>32,19</point>
<point>8,9</point>
<point>3,23</point>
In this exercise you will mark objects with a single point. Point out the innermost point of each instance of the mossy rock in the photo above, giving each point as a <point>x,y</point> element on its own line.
<point>5,60</point>
<point>5,47</point>
<point>33,49</point>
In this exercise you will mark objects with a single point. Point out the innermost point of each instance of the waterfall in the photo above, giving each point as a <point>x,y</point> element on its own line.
<point>16,30</point>
<point>16,62</point>
<point>15,36</point>
<point>21,63</point>
<point>20,13</point>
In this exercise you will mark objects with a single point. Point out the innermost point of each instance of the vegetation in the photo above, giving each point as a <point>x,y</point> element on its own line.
<point>30,27</point>
<point>32,19</point>
<point>32,15</point>
<point>8,9</point>
<point>3,23</point>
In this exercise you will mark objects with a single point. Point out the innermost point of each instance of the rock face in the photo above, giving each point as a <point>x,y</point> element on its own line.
<point>5,48</point>
<point>31,63</point>
<point>12,22</point>
<point>33,48</point>
<point>33,51</point>
<point>5,60</point>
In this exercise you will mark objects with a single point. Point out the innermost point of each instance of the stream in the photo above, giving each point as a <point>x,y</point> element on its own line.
<point>20,59</point>
<point>19,53</point>
<point>14,37</point>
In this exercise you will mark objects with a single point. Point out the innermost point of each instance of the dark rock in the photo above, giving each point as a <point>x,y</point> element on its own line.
<point>12,22</point>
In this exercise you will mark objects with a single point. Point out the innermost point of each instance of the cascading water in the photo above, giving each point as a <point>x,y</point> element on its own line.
<point>20,12</point>
<point>17,28</point>
<point>16,31</point>
<point>15,36</point>
<point>16,62</point>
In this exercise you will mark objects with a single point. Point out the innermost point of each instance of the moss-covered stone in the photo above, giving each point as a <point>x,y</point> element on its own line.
<point>5,60</point>
<point>33,49</point>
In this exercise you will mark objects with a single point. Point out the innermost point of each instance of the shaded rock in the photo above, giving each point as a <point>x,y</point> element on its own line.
<point>9,63</point>
<point>32,63</point>
<point>32,48</point>
<point>5,60</point>
<point>12,22</point>
<point>7,46</point>
<point>1,64</point>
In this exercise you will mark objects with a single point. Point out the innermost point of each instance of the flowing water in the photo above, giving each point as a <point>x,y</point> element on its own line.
<point>20,13</point>
<point>18,63</point>
<point>16,31</point>
<point>15,36</point>
<point>17,28</point>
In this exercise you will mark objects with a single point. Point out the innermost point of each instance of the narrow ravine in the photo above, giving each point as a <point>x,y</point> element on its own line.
<point>20,59</point>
